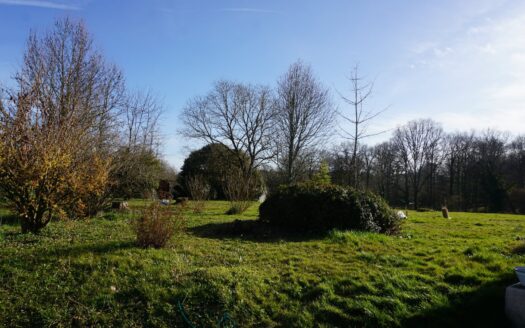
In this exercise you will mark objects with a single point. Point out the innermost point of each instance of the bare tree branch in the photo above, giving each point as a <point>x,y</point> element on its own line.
<point>360,117</point>
<point>238,116</point>
<point>305,118</point>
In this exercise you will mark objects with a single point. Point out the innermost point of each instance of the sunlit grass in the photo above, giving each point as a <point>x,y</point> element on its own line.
<point>436,272</point>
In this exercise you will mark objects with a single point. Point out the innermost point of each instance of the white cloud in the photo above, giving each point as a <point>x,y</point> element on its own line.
<point>423,47</point>
<point>40,4</point>
<point>488,48</point>
<point>442,52</point>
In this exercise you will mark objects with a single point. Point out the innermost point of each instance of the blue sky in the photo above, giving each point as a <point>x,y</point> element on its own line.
<point>461,63</point>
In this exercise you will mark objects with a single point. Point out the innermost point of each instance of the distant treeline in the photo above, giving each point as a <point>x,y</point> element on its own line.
<point>422,167</point>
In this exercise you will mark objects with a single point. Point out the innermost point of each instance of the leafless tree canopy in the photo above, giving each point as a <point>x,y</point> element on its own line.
<point>69,82</point>
<point>359,117</point>
<point>235,115</point>
<point>418,143</point>
<point>304,120</point>
<point>141,113</point>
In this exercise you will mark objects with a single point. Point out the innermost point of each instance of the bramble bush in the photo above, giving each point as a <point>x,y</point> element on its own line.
<point>325,207</point>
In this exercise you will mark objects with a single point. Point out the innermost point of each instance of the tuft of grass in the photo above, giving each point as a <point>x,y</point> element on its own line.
<point>436,272</point>
<point>239,207</point>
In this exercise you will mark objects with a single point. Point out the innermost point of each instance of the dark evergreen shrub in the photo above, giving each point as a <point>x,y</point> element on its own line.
<point>324,207</point>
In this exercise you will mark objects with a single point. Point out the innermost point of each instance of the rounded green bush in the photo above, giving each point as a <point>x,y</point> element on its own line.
<point>325,207</point>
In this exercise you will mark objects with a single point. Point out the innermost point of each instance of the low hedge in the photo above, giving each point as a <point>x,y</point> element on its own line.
<point>325,207</point>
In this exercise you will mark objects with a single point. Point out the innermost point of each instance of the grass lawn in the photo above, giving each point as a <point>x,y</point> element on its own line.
<point>437,272</point>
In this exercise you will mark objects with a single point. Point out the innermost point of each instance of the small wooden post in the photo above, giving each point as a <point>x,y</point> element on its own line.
<point>444,211</point>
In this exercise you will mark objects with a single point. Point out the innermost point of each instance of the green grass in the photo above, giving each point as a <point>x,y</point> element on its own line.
<point>437,272</point>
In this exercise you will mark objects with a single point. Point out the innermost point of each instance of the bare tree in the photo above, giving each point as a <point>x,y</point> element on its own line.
<point>490,155</point>
<point>366,164</point>
<point>239,191</point>
<point>58,127</point>
<point>458,153</point>
<point>341,162</point>
<point>141,113</point>
<point>69,81</point>
<point>199,190</point>
<point>385,170</point>
<point>238,116</point>
<point>304,121</point>
<point>516,156</point>
<point>418,143</point>
<point>359,117</point>
<point>138,168</point>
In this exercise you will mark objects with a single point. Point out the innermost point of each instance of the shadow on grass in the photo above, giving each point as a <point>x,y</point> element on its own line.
<point>251,230</point>
<point>483,307</point>
<point>519,250</point>
<point>46,251</point>
<point>97,248</point>
<point>9,219</point>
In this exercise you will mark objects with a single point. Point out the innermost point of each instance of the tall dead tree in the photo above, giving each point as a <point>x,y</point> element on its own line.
<point>304,120</point>
<point>358,117</point>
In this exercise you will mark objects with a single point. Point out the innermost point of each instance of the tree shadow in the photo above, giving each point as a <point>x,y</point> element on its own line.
<point>252,230</point>
<point>483,307</point>
<point>519,250</point>
<point>95,248</point>
<point>50,254</point>
<point>9,220</point>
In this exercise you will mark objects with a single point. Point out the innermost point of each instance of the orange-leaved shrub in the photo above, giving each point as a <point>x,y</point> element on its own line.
<point>58,128</point>
<point>157,224</point>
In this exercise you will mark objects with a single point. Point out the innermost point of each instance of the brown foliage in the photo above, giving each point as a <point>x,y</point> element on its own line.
<point>57,127</point>
<point>157,225</point>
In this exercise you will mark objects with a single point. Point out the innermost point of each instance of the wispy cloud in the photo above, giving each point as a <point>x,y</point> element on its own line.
<point>40,4</point>
<point>477,71</point>
<point>250,10</point>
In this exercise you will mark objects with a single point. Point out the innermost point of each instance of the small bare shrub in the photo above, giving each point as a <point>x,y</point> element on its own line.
<point>239,192</point>
<point>238,207</point>
<point>156,225</point>
<point>199,191</point>
<point>181,201</point>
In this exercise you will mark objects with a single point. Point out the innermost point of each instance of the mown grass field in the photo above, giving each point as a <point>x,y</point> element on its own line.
<point>437,272</point>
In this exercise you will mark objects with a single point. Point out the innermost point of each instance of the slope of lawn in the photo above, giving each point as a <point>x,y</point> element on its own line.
<point>437,272</point>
